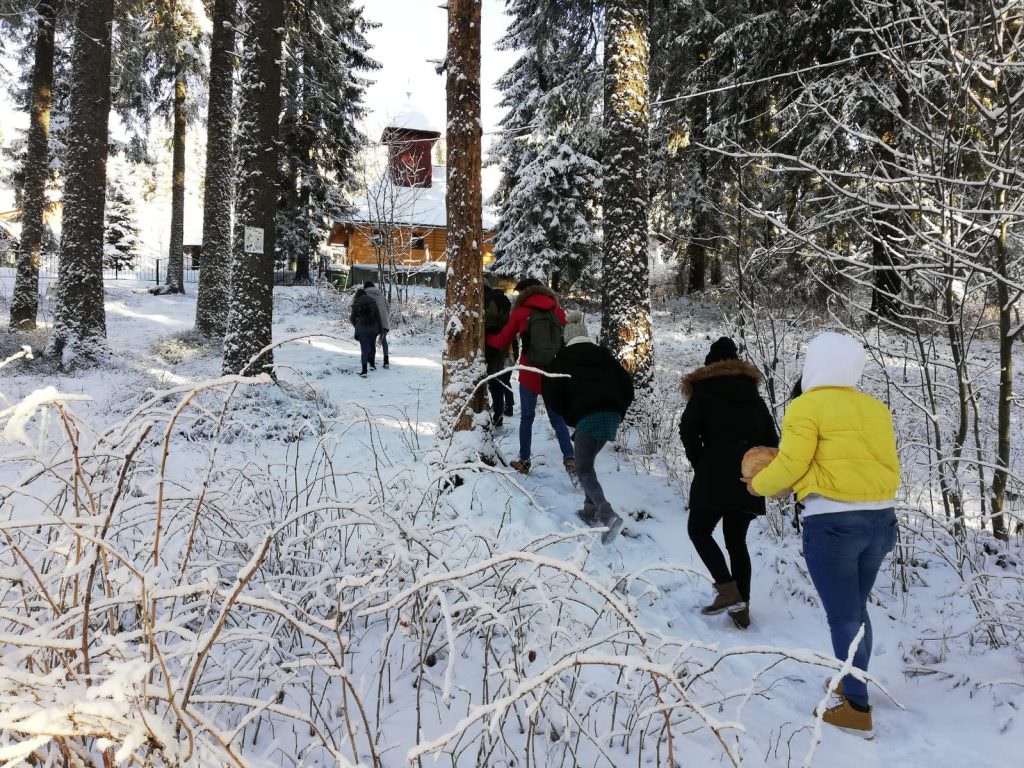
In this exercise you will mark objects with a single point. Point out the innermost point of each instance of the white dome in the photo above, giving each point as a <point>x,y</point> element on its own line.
<point>412,119</point>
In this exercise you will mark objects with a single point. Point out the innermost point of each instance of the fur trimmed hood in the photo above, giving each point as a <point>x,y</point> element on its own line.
<point>534,290</point>
<point>717,371</point>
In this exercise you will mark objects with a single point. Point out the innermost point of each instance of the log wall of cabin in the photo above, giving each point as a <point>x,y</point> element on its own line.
<point>361,251</point>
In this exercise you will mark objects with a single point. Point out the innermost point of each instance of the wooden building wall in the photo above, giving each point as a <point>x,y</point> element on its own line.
<point>357,242</point>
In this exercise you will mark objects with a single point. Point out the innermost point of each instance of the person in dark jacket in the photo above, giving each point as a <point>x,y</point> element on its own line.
<point>593,394</point>
<point>532,297</point>
<point>365,319</point>
<point>497,309</point>
<point>724,417</point>
<point>385,317</point>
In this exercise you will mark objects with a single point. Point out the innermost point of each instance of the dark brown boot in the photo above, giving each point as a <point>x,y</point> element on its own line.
<point>727,595</point>
<point>740,616</point>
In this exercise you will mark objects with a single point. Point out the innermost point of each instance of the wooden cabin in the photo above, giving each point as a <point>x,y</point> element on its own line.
<point>402,215</point>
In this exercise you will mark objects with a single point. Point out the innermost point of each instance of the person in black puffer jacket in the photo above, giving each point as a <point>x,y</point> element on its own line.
<point>365,318</point>
<point>593,396</point>
<point>724,417</point>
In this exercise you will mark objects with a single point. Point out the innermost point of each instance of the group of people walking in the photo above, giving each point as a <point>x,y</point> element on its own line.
<point>582,385</point>
<point>371,319</point>
<point>836,454</point>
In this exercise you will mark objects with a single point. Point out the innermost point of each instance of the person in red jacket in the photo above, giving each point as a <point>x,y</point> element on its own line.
<point>532,296</point>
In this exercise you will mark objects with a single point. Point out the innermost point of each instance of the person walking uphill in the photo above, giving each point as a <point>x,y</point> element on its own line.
<point>724,417</point>
<point>497,309</point>
<point>838,453</point>
<point>385,317</point>
<point>540,321</point>
<point>593,396</point>
<point>365,318</point>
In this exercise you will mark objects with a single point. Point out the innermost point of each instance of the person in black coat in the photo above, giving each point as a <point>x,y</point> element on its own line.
<point>497,309</point>
<point>366,320</point>
<point>592,394</point>
<point>725,416</point>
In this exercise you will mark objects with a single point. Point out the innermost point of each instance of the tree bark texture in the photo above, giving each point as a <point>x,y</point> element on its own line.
<point>25,299</point>
<point>80,319</point>
<point>175,256</point>
<point>250,310</point>
<point>215,268</point>
<point>626,321</point>
<point>464,367</point>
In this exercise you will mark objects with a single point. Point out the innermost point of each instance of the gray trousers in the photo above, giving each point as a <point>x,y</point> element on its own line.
<point>587,449</point>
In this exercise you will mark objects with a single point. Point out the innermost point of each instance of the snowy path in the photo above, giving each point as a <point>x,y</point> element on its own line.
<point>952,718</point>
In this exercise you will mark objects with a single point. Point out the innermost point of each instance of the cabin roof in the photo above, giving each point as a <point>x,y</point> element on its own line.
<point>414,206</point>
<point>411,119</point>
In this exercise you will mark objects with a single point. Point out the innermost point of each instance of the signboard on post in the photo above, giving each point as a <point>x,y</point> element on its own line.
<point>254,240</point>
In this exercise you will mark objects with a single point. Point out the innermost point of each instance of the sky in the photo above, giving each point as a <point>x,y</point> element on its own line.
<point>411,38</point>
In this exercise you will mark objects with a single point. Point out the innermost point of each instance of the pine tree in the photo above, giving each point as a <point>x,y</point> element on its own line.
<point>463,361</point>
<point>320,139</point>
<point>121,239</point>
<point>80,319</point>
<point>157,65</point>
<point>215,271</point>
<point>626,299</point>
<point>251,309</point>
<point>35,171</point>
<point>549,197</point>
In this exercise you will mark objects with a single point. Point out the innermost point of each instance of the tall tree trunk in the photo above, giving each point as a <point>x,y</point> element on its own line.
<point>626,321</point>
<point>886,281</point>
<point>251,310</point>
<point>1003,419</point>
<point>215,268</point>
<point>464,332</point>
<point>697,257</point>
<point>80,326</point>
<point>175,255</point>
<point>25,299</point>
<point>302,257</point>
<point>1004,43</point>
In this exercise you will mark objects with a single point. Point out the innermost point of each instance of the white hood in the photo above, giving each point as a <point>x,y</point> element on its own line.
<point>833,360</point>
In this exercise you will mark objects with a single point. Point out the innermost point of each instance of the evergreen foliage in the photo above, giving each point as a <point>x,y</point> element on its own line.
<point>549,149</point>
<point>121,233</point>
<point>323,90</point>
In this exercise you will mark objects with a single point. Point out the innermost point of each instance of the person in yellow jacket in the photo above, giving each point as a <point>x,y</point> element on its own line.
<point>838,454</point>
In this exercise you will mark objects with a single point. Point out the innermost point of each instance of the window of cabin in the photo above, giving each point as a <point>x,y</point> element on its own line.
<point>419,242</point>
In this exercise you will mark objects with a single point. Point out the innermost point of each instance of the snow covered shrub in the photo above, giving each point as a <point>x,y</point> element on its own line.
<point>171,602</point>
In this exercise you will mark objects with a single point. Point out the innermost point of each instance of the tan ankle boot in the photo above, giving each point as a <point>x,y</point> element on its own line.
<point>844,716</point>
<point>727,595</point>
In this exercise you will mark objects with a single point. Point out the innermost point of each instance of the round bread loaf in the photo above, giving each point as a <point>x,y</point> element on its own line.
<point>757,459</point>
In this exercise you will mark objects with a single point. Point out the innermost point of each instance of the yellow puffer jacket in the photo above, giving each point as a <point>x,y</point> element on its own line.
<point>836,441</point>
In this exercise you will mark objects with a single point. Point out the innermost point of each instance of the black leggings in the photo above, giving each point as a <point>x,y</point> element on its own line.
<point>735,524</point>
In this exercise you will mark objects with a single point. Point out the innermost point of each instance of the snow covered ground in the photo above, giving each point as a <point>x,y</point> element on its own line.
<point>439,586</point>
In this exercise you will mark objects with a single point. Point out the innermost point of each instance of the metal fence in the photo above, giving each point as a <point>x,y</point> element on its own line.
<point>146,270</point>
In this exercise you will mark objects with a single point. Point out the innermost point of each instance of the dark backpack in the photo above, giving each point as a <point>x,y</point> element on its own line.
<point>544,337</point>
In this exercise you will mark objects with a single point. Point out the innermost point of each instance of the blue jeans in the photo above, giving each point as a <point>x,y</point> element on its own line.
<point>844,552</point>
<point>528,411</point>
